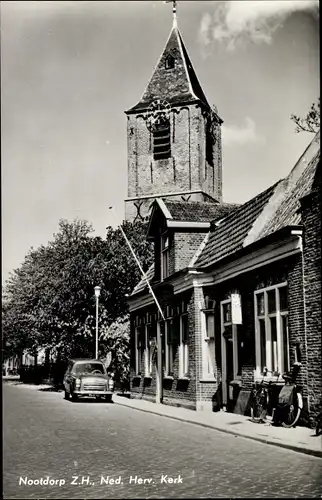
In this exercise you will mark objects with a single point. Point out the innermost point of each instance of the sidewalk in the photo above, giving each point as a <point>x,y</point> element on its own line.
<point>300,439</point>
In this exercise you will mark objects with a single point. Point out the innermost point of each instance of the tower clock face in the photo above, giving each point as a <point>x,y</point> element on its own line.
<point>158,112</point>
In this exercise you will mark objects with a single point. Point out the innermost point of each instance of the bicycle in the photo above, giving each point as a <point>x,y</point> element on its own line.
<point>318,427</point>
<point>290,401</point>
<point>260,398</point>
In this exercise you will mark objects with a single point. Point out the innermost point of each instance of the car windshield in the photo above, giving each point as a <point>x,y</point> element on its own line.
<point>89,368</point>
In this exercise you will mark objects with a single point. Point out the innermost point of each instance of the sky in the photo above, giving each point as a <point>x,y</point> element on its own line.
<point>70,69</point>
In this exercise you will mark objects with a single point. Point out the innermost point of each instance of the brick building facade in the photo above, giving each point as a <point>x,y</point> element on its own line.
<point>259,262</point>
<point>239,286</point>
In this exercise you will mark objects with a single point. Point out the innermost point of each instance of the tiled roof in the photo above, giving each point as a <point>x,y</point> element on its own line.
<point>288,212</point>
<point>177,85</point>
<point>228,236</point>
<point>275,208</point>
<point>193,211</point>
<point>142,284</point>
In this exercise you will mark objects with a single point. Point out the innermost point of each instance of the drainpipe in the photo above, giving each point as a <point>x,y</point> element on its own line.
<point>305,330</point>
<point>198,344</point>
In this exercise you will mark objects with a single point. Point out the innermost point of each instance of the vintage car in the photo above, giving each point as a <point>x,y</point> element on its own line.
<point>87,377</point>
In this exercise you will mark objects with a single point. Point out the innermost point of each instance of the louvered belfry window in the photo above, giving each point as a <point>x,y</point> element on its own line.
<point>162,140</point>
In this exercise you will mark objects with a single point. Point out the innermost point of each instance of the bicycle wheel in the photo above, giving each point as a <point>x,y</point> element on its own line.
<point>318,428</point>
<point>292,412</point>
<point>258,412</point>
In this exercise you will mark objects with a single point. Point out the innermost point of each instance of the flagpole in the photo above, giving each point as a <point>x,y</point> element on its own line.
<point>159,352</point>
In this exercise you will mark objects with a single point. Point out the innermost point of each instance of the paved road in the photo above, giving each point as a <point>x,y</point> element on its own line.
<point>44,435</point>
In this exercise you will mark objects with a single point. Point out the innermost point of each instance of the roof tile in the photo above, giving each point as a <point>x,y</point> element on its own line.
<point>193,211</point>
<point>142,283</point>
<point>229,235</point>
<point>275,208</point>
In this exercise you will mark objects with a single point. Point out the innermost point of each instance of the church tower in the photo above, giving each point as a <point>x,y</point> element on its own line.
<point>173,136</point>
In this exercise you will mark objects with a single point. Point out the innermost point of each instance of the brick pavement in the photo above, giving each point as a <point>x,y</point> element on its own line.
<point>301,439</point>
<point>45,435</point>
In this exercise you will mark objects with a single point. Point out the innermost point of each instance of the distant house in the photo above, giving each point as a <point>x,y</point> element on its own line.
<point>240,287</point>
<point>12,365</point>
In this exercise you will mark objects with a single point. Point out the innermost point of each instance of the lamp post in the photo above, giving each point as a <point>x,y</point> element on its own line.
<point>97,294</point>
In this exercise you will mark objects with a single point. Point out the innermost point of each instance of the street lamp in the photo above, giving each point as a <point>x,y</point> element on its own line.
<point>97,294</point>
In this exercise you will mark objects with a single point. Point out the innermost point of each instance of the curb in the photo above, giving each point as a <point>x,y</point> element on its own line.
<point>280,444</point>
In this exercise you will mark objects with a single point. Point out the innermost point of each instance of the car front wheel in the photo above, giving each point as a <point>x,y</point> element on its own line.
<point>66,395</point>
<point>74,397</point>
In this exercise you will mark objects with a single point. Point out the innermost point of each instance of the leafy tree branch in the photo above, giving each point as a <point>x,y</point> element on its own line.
<point>311,122</point>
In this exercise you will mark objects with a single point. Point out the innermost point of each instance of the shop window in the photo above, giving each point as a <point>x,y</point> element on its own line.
<point>271,329</point>
<point>169,347</point>
<point>139,348</point>
<point>150,334</point>
<point>208,335</point>
<point>184,346</point>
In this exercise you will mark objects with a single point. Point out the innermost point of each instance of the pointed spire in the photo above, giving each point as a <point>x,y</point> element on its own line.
<point>176,81</point>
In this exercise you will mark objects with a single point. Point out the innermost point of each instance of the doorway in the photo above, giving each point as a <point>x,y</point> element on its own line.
<point>230,356</point>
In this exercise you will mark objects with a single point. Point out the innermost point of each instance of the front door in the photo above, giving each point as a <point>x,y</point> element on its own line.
<point>228,366</point>
<point>230,355</point>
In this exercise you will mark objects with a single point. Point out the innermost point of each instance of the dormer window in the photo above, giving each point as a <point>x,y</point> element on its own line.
<point>169,62</point>
<point>161,140</point>
<point>164,255</point>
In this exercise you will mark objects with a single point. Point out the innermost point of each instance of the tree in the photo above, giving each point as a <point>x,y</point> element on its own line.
<point>311,122</point>
<point>116,340</point>
<point>49,300</point>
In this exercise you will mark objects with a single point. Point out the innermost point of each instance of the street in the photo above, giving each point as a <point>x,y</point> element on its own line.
<point>98,450</point>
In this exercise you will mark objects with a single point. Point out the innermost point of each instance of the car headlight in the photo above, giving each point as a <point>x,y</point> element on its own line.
<point>110,384</point>
<point>77,383</point>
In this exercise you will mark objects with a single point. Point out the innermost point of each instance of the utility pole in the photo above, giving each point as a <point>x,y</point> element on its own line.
<point>97,294</point>
<point>159,379</point>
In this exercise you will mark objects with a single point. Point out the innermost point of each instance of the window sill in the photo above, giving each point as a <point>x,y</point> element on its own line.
<point>168,377</point>
<point>209,339</point>
<point>210,379</point>
<point>137,376</point>
<point>184,378</point>
<point>260,378</point>
<point>148,376</point>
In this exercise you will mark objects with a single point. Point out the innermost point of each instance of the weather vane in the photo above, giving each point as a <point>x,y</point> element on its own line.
<point>174,10</point>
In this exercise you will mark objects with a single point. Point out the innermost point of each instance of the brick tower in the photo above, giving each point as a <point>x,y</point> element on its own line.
<point>173,135</point>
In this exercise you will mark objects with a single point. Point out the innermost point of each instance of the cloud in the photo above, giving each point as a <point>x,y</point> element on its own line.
<point>204,35</point>
<point>237,20</point>
<point>242,135</point>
